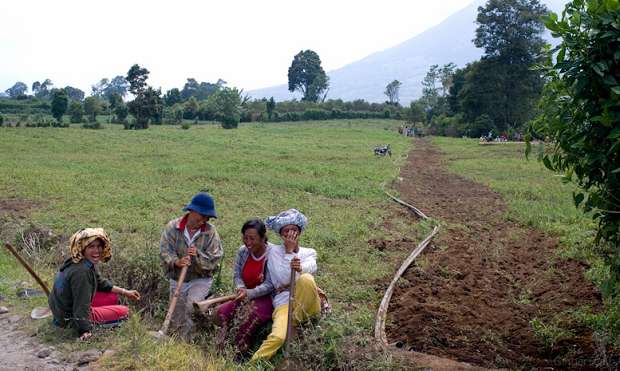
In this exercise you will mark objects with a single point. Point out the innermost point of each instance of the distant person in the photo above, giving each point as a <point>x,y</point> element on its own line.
<point>80,298</point>
<point>280,260</point>
<point>191,241</point>
<point>253,285</point>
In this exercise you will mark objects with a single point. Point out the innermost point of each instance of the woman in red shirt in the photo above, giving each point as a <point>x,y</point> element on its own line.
<point>253,286</point>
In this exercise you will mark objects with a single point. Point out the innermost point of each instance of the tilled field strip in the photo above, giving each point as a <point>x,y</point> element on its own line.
<point>385,302</point>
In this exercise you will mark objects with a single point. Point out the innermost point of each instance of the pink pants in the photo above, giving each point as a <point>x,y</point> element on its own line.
<point>259,313</point>
<point>105,309</point>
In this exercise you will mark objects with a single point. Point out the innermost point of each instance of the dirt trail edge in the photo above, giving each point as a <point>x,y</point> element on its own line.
<point>476,294</point>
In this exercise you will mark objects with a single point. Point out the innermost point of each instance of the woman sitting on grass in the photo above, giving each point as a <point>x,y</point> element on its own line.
<point>80,296</point>
<point>251,279</point>
<point>280,260</point>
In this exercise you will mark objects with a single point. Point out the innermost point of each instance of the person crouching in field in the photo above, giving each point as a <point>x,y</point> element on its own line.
<point>193,242</point>
<point>280,260</point>
<point>80,297</point>
<point>254,288</point>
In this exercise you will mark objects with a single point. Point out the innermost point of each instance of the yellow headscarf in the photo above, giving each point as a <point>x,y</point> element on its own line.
<point>83,237</point>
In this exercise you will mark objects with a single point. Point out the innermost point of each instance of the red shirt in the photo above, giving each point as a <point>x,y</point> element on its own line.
<point>252,273</point>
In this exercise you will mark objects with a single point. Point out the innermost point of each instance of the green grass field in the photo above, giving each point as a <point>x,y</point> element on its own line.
<point>133,182</point>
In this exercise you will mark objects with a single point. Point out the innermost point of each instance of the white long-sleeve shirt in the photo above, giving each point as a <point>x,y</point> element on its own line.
<point>279,264</point>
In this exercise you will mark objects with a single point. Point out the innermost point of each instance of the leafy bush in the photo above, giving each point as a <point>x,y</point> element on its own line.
<point>185,126</point>
<point>92,125</point>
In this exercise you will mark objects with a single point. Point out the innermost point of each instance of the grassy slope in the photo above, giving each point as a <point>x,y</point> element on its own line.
<point>132,182</point>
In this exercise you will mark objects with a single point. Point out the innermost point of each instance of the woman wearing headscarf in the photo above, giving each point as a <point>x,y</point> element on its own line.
<point>281,259</point>
<point>254,287</point>
<point>80,297</point>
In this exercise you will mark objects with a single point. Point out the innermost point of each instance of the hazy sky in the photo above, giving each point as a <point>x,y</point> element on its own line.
<point>250,44</point>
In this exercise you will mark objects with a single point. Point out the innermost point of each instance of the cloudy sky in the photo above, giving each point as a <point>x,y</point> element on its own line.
<point>250,44</point>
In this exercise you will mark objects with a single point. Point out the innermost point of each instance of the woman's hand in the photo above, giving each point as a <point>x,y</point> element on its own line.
<point>242,294</point>
<point>132,294</point>
<point>291,241</point>
<point>183,262</point>
<point>296,264</point>
<point>86,336</point>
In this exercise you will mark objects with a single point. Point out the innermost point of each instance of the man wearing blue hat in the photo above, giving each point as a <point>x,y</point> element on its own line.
<point>193,242</point>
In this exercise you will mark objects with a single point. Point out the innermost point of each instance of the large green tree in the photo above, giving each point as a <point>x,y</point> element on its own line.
<point>510,32</point>
<point>92,107</point>
<point>307,76</point>
<point>59,103</point>
<point>147,104</point>
<point>228,107</point>
<point>581,116</point>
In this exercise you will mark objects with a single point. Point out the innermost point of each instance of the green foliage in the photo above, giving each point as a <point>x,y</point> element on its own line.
<point>147,105</point>
<point>185,126</point>
<point>92,107</point>
<point>136,77</point>
<point>307,76</point>
<point>228,107</point>
<point>451,126</point>
<point>270,105</point>
<point>1,119</point>
<point>74,93</point>
<point>92,125</point>
<point>581,114</point>
<point>200,91</point>
<point>510,33</point>
<point>76,112</point>
<point>172,97</point>
<point>121,111</point>
<point>42,90</point>
<point>191,108</point>
<point>59,104</point>
<point>551,332</point>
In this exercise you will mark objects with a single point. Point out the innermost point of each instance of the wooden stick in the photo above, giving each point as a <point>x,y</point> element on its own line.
<point>173,302</point>
<point>289,321</point>
<point>203,305</point>
<point>28,268</point>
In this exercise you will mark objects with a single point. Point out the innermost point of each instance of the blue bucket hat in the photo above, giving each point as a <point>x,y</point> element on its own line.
<point>203,204</point>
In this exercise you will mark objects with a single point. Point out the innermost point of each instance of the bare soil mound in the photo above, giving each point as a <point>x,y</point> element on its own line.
<point>473,296</point>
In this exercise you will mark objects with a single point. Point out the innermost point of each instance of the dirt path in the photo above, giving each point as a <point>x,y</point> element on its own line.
<point>471,298</point>
<point>22,352</point>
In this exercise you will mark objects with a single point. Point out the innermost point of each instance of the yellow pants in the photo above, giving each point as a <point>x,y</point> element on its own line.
<point>307,304</point>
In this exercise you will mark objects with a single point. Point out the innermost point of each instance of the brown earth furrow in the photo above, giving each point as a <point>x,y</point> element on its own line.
<point>474,297</point>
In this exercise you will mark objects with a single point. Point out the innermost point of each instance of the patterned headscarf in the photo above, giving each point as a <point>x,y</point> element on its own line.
<point>83,237</point>
<point>290,216</point>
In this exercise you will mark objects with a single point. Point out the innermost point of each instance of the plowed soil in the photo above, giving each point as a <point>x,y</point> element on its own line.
<point>472,295</point>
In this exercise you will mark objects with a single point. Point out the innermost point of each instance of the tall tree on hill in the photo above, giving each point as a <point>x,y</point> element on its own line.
<point>44,89</point>
<point>17,90</point>
<point>270,105</point>
<point>391,91</point>
<point>59,103</point>
<point>147,104</point>
<point>510,32</point>
<point>307,76</point>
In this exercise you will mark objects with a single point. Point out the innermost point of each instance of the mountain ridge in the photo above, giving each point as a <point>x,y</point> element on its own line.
<point>408,61</point>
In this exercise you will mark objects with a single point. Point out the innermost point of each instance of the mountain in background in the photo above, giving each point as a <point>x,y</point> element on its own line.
<point>408,62</point>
